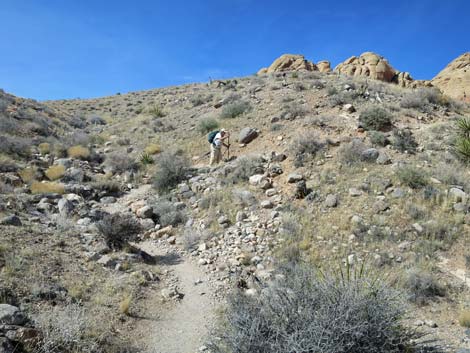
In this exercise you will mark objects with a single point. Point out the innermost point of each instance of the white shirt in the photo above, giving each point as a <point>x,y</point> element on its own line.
<point>218,140</point>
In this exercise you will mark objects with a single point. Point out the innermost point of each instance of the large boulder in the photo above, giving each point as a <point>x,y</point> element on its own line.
<point>454,80</point>
<point>369,65</point>
<point>11,315</point>
<point>289,62</point>
<point>247,135</point>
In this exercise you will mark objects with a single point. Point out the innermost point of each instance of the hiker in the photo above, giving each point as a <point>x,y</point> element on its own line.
<point>216,139</point>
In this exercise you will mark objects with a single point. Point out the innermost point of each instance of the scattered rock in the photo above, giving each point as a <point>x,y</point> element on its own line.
<point>12,220</point>
<point>331,200</point>
<point>294,177</point>
<point>247,135</point>
<point>11,315</point>
<point>145,212</point>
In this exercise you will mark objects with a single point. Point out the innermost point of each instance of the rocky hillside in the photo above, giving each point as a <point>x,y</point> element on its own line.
<point>126,230</point>
<point>454,80</point>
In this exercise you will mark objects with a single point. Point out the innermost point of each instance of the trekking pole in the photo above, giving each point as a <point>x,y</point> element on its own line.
<point>228,148</point>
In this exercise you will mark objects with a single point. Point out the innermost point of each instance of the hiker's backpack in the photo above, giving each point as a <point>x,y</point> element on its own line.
<point>211,136</point>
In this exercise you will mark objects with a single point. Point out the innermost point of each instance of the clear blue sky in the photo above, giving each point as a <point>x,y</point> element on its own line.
<point>55,49</point>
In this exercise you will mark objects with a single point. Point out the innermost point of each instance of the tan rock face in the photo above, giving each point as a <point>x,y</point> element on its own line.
<point>368,65</point>
<point>324,66</point>
<point>454,80</point>
<point>289,62</point>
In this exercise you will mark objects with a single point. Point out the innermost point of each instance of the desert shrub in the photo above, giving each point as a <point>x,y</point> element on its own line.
<point>7,165</point>
<point>171,170</point>
<point>464,318</point>
<point>305,147</point>
<point>299,87</point>
<point>55,172</point>
<point>422,286</point>
<point>118,229</point>
<point>125,304</point>
<point>378,138</point>
<point>67,329</point>
<point>146,159</point>
<point>342,98</point>
<point>44,148</point>
<point>318,84</point>
<point>277,127</point>
<point>191,238</point>
<point>200,99</point>
<point>245,167</point>
<point>452,173</point>
<point>77,138</point>
<point>331,91</point>
<point>5,188</point>
<point>15,146</point>
<point>78,152</point>
<point>106,185</point>
<point>168,214</point>
<point>124,141</point>
<point>156,111</point>
<point>412,177</point>
<point>47,188</point>
<point>232,110</point>
<point>207,125</point>
<point>120,163</point>
<point>153,148</point>
<point>404,141</point>
<point>351,152</point>
<point>423,99</point>
<point>375,118</point>
<point>292,111</point>
<point>462,141</point>
<point>307,311</point>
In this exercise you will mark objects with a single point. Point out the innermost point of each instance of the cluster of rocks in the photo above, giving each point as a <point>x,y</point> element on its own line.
<point>15,330</point>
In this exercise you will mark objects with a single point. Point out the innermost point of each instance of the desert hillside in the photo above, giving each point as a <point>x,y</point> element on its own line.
<point>117,236</point>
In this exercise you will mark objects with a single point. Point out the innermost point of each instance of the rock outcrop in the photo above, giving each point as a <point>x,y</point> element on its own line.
<point>454,80</point>
<point>324,66</point>
<point>289,62</point>
<point>368,65</point>
<point>376,67</point>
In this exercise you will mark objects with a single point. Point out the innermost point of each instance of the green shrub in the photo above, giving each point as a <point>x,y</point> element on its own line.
<point>146,159</point>
<point>245,167</point>
<point>404,141</point>
<point>232,110</point>
<point>412,177</point>
<point>462,141</point>
<point>156,111</point>
<point>422,286</point>
<point>207,125</point>
<point>120,163</point>
<point>375,118</point>
<point>424,99</point>
<point>351,152</point>
<point>118,229</point>
<point>308,311</point>
<point>305,147</point>
<point>378,138</point>
<point>171,170</point>
<point>168,214</point>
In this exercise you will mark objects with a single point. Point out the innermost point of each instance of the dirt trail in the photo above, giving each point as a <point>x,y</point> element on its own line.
<point>183,326</point>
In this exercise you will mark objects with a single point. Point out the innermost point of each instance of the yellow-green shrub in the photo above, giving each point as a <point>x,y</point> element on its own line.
<point>44,148</point>
<point>28,174</point>
<point>79,152</point>
<point>47,188</point>
<point>464,318</point>
<point>152,149</point>
<point>125,305</point>
<point>55,172</point>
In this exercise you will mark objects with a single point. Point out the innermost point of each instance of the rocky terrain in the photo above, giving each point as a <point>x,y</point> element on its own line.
<point>454,80</point>
<point>118,237</point>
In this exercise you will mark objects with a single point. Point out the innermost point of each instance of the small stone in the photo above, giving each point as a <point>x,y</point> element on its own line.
<point>294,177</point>
<point>352,259</point>
<point>12,220</point>
<point>458,195</point>
<point>266,204</point>
<point>145,212</point>
<point>430,323</point>
<point>418,227</point>
<point>331,200</point>
<point>223,220</point>
<point>241,216</point>
<point>370,155</point>
<point>171,240</point>
<point>355,192</point>
<point>383,158</point>
<point>108,200</point>
<point>349,108</point>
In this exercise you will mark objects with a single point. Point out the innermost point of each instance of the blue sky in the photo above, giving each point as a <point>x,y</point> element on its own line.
<point>55,49</point>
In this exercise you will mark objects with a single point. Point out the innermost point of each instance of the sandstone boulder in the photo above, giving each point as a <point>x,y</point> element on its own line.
<point>324,66</point>
<point>289,62</point>
<point>454,80</point>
